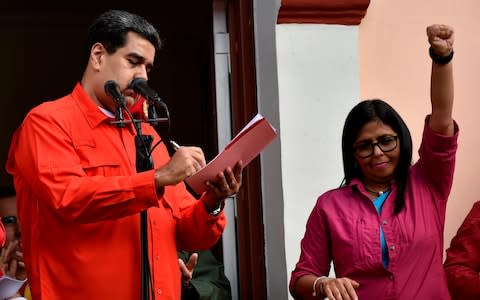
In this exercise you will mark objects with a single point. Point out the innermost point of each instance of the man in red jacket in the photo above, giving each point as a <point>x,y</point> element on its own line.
<point>462,265</point>
<point>79,195</point>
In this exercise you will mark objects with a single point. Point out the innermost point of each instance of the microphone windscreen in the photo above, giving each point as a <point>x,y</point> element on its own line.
<point>141,86</point>
<point>112,89</point>
<point>138,83</point>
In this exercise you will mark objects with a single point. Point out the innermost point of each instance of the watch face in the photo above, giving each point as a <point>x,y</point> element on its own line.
<point>217,210</point>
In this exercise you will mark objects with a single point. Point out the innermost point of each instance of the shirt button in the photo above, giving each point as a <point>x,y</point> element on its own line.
<point>157,257</point>
<point>392,248</point>
<point>159,291</point>
<point>384,222</point>
<point>390,277</point>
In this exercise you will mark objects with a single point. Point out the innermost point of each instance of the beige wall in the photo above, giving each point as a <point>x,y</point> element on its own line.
<point>395,66</point>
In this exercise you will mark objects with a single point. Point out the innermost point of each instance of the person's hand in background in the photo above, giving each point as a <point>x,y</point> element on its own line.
<point>187,269</point>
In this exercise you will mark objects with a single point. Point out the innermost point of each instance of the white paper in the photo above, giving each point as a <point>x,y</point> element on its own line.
<point>9,286</point>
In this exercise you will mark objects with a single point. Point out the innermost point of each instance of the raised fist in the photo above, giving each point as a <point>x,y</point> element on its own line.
<point>441,38</point>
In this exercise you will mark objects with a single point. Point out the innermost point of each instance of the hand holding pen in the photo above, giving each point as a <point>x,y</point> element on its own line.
<point>184,162</point>
<point>225,184</point>
<point>174,145</point>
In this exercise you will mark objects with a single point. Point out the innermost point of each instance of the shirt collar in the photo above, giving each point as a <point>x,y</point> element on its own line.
<point>107,112</point>
<point>88,107</point>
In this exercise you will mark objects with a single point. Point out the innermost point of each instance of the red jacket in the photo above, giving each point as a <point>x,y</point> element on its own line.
<point>2,241</point>
<point>462,265</point>
<point>79,198</point>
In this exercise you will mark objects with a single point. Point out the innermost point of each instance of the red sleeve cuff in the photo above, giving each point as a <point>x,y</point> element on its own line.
<point>144,188</point>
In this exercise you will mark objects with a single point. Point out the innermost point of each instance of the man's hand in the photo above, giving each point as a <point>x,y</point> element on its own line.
<point>187,269</point>
<point>441,38</point>
<point>185,162</point>
<point>225,184</point>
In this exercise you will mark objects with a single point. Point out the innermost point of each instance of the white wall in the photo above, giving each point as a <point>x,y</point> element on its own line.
<point>318,81</point>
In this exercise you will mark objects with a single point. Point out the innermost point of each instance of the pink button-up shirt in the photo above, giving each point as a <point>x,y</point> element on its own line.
<point>345,227</point>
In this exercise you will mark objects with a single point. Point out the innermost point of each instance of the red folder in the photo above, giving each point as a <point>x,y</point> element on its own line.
<point>245,146</point>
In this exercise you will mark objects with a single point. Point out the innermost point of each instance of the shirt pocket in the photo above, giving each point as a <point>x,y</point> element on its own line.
<point>97,163</point>
<point>352,242</point>
<point>368,248</point>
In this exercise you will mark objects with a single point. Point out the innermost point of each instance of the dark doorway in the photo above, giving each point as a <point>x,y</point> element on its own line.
<point>42,50</point>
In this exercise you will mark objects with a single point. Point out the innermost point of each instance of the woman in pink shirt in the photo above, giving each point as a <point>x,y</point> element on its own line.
<point>383,229</point>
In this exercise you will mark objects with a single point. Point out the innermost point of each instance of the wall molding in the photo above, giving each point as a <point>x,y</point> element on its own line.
<point>342,12</point>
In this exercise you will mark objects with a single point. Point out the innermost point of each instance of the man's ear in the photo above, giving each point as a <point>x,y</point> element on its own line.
<point>97,55</point>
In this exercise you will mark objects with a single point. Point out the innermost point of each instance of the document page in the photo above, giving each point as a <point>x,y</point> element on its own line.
<point>245,146</point>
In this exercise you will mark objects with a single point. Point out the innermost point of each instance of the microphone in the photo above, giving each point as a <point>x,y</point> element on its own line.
<point>112,89</point>
<point>140,86</point>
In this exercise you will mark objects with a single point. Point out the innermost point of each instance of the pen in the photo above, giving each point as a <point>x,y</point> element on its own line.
<point>175,145</point>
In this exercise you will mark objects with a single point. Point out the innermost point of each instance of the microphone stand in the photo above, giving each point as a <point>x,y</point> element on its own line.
<point>144,162</point>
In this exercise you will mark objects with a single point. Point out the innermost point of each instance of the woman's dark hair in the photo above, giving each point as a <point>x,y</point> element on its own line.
<point>363,113</point>
<point>111,28</point>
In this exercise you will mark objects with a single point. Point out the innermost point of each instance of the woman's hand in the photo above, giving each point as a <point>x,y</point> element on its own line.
<point>338,288</point>
<point>441,38</point>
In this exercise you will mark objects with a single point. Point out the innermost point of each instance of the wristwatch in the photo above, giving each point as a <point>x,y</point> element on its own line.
<point>217,210</point>
<point>439,59</point>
